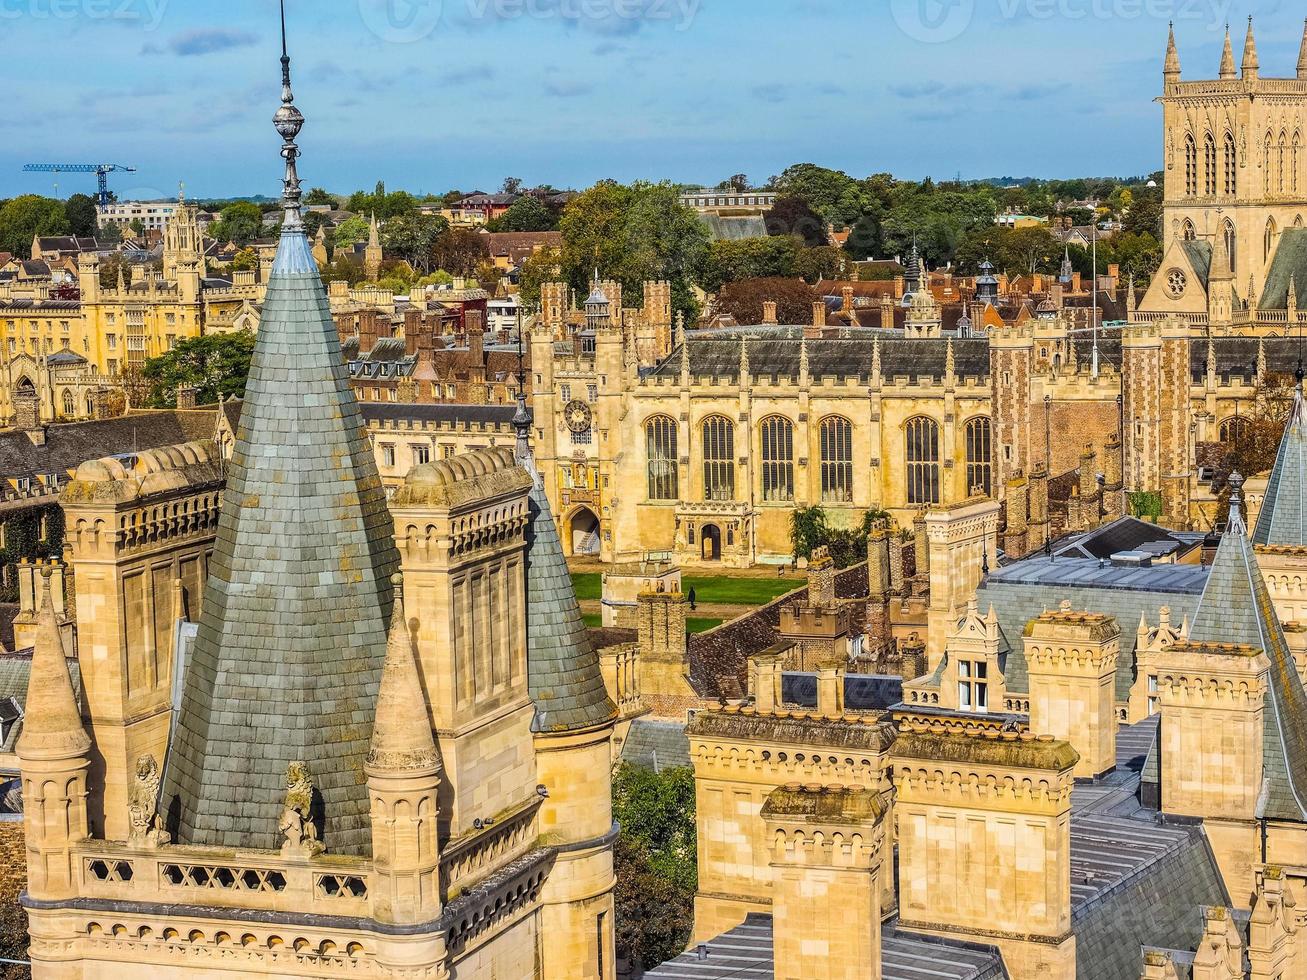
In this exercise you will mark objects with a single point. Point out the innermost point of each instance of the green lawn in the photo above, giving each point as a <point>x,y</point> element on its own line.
<point>722,589</point>
<point>695,625</point>
<point>740,591</point>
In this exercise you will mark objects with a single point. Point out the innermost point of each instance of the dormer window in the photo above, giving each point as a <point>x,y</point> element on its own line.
<point>973,685</point>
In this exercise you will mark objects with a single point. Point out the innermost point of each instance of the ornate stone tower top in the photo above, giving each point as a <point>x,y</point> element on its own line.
<point>1228,71</point>
<point>1250,63</point>
<point>288,656</point>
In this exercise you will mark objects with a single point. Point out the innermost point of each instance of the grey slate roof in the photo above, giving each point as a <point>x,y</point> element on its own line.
<point>562,667</point>
<point>1290,262</point>
<point>773,355</point>
<point>287,659</point>
<point>1136,883</point>
<point>1023,590</point>
<point>862,692</point>
<point>745,953</point>
<point>1283,517</point>
<point>1236,357</point>
<point>657,745</point>
<point>1236,608</point>
<point>1200,257</point>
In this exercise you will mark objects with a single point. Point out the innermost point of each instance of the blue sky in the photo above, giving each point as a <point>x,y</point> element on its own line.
<point>435,94</point>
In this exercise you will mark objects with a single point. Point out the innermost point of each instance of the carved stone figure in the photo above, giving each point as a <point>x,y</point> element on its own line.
<point>297,824</point>
<point>143,806</point>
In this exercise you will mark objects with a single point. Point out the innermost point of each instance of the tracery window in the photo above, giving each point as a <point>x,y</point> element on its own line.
<point>660,440</point>
<point>980,466</point>
<point>922,437</point>
<point>718,459</point>
<point>777,459</point>
<point>836,460</point>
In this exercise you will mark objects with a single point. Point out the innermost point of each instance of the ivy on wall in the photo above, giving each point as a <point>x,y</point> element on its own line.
<point>1146,503</point>
<point>22,539</point>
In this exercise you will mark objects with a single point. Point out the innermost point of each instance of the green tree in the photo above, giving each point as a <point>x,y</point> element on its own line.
<point>344,268</point>
<point>318,196</point>
<point>1139,256</point>
<point>526,214</point>
<point>351,231</point>
<point>26,217</point>
<point>793,216</point>
<point>138,228</point>
<point>864,239</point>
<point>459,251</point>
<point>110,234</point>
<point>815,264</point>
<point>412,237</point>
<point>634,234</point>
<point>245,260</point>
<point>656,864</point>
<point>833,194</point>
<point>240,222</point>
<point>539,268</point>
<point>82,215</point>
<point>747,258</point>
<point>215,364</point>
<point>744,300</point>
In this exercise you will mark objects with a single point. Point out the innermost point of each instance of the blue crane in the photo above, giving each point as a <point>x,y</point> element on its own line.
<point>101,170</point>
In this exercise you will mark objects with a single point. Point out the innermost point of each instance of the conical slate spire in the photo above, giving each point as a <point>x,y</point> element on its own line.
<point>1227,57</point>
<point>1236,608</point>
<point>52,722</point>
<point>288,657</point>
<point>401,736</point>
<point>1282,520</point>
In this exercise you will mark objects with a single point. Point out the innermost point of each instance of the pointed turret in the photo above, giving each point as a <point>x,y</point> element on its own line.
<point>1302,53</point>
<point>1250,63</point>
<point>401,734</point>
<point>53,760</point>
<point>1282,521</point>
<point>1236,608</point>
<point>291,642</point>
<point>1228,71</point>
<point>52,721</point>
<point>1171,68</point>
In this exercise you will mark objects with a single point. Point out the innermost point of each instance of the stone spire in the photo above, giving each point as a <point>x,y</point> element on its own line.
<point>401,732</point>
<point>290,646</point>
<point>289,121</point>
<point>685,347</point>
<point>1236,608</point>
<point>1171,70</point>
<point>1221,262</point>
<point>1250,63</point>
<point>1228,71</point>
<point>1302,53</point>
<point>52,721</point>
<point>374,232</point>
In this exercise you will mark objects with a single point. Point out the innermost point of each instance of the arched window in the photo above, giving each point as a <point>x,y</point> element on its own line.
<point>836,460</point>
<point>980,470</point>
<point>1268,164</point>
<point>660,440</point>
<point>1231,165</point>
<point>1209,165</point>
<point>90,407</point>
<point>1190,165</point>
<point>1188,232</point>
<point>70,407</point>
<point>1235,430</point>
<point>1293,171</point>
<point>777,459</point>
<point>1283,162</point>
<point>1232,245</point>
<point>1271,232</point>
<point>718,459</point>
<point>922,436</point>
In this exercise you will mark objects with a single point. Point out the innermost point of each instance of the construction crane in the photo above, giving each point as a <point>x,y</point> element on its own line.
<point>101,170</point>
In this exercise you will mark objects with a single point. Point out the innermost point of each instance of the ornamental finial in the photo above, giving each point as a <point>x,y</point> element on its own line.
<point>289,121</point>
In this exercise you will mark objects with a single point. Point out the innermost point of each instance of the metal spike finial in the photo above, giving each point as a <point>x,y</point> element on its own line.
<point>288,122</point>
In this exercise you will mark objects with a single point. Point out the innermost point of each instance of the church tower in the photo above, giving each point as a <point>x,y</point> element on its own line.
<point>372,255</point>
<point>1235,162</point>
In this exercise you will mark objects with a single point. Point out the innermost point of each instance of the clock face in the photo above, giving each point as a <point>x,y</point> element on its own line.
<point>577,416</point>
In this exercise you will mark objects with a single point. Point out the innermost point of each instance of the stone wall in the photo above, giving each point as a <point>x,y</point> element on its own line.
<point>13,879</point>
<point>719,658</point>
